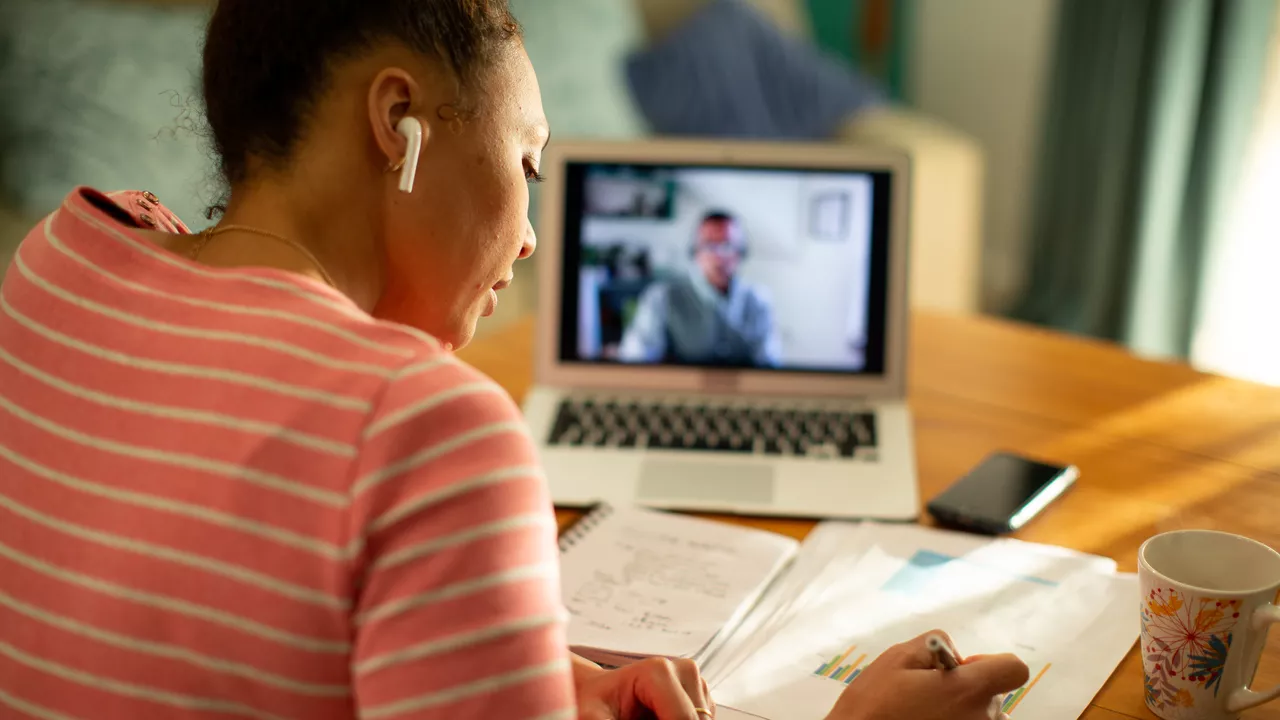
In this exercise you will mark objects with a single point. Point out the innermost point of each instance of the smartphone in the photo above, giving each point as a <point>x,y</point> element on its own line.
<point>1001,494</point>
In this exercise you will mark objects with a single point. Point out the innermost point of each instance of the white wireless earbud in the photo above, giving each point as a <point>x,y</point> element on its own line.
<point>411,129</point>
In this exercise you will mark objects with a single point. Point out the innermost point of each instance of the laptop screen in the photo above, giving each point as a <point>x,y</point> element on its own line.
<point>726,267</point>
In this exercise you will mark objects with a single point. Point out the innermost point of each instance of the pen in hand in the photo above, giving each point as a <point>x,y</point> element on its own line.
<point>945,659</point>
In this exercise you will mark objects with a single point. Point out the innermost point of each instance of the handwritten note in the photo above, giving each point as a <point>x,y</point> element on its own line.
<point>643,582</point>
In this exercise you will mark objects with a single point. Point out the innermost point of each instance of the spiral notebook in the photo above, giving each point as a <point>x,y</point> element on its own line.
<point>641,583</point>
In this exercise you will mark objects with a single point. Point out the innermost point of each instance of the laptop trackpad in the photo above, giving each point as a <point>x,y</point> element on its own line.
<point>732,482</point>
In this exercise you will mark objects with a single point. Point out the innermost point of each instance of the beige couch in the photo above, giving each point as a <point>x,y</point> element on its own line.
<point>946,216</point>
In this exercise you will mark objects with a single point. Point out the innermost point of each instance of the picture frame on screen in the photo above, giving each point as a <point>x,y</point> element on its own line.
<point>829,217</point>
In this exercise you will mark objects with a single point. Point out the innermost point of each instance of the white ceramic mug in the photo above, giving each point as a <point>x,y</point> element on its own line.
<point>1208,599</point>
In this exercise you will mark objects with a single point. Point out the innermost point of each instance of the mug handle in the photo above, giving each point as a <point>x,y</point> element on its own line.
<point>1244,698</point>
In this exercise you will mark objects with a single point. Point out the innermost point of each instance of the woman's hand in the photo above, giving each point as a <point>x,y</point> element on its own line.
<point>903,683</point>
<point>654,688</point>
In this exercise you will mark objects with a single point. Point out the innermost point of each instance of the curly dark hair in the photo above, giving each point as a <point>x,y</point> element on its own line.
<point>267,61</point>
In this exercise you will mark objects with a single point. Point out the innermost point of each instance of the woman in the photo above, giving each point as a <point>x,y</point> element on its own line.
<point>241,475</point>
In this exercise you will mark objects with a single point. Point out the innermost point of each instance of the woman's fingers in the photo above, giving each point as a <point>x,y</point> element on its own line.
<point>695,686</point>
<point>658,687</point>
<point>994,674</point>
<point>710,701</point>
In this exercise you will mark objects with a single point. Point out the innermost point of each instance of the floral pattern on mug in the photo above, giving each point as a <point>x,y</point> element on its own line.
<point>1186,641</point>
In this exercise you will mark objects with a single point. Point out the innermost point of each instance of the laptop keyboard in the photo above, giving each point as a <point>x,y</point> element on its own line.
<point>693,426</point>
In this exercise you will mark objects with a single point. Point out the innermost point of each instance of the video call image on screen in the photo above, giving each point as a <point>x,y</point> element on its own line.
<point>725,267</point>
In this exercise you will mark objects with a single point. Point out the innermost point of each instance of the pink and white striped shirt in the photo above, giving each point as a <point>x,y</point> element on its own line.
<point>233,494</point>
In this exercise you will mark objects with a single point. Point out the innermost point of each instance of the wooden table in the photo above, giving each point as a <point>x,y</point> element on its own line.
<point>1160,446</point>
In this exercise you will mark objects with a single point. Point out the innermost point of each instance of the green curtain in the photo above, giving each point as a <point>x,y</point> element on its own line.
<point>1150,106</point>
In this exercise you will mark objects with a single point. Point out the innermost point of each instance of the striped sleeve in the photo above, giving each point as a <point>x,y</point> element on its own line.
<point>458,613</point>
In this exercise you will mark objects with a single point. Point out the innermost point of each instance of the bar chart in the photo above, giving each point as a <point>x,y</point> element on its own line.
<point>840,668</point>
<point>1013,699</point>
<point>844,670</point>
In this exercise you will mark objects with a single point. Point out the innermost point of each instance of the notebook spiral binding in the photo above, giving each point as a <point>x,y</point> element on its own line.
<point>579,530</point>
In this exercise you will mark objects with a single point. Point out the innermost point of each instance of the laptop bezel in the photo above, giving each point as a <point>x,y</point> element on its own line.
<point>551,370</point>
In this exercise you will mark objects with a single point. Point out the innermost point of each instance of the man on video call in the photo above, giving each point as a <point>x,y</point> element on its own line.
<point>710,316</point>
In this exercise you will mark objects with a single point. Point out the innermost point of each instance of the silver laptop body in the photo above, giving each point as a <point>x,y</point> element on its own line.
<point>722,327</point>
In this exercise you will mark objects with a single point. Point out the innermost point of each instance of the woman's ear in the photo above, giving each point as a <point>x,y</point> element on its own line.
<point>397,134</point>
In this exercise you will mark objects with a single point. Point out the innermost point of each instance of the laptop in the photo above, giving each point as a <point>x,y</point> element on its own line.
<point>722,327</point>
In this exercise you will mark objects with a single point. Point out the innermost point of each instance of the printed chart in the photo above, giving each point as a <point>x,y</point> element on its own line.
<point>927,569</point>
<point>990,597</point>
<point>1013,699</point>
<point>837,669</point>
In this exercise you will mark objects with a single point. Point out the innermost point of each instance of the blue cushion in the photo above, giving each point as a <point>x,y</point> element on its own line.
<point>102,94</point>
<point>730,72</point>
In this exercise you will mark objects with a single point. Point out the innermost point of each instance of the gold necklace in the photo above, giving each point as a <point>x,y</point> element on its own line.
<point>206,236</point>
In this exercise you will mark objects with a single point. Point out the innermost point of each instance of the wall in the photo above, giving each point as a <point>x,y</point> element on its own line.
<point>13,228</point>
<point>818,287</point>
<point>983,66</point>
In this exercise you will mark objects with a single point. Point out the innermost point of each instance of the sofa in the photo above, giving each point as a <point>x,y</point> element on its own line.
<point>578,48</point>
<point>947,166</point>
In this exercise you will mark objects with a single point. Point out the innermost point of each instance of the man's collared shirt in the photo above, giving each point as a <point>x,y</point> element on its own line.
<point>687,320</point>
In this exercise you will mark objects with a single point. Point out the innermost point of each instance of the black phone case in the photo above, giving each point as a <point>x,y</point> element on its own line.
<point>954,521</point>
<point>949,517</point>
